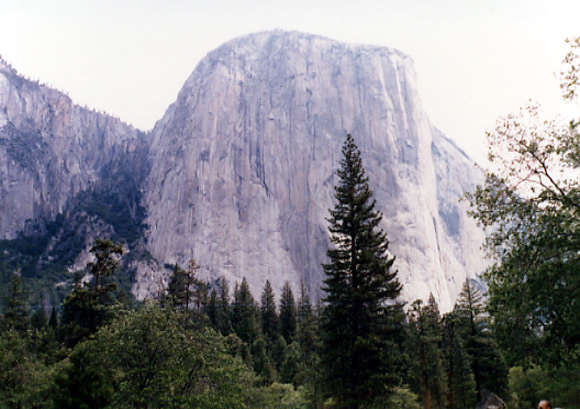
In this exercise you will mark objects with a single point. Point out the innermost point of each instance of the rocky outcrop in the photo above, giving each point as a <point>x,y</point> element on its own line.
<point>67,176</point>
<point>50,151</point>
<point>490,400</point>
<point>243,165</point>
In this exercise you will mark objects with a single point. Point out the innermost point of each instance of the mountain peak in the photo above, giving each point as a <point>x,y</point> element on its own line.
<point>254,139</point>
<point>297,38</point>
<point>4,66</point>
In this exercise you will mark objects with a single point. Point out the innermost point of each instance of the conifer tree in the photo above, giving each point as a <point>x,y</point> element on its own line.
<point>211,309</point>
<point>304,305</point>
<point>426,369</point>
<point>360,312</point>
<point>107,256</point>
<point>15,312</point>
<point>308,372</point>
<point>39,319</point>
<point>224,310</point>
<point>198,287</point>
<point>244,313</point>
<point>268,313</point>
<point>461,390</point>
<point>87,307</point>
<point>489,368</point>
<point>287,313</point>
<point>263,365</point>
<point>53,321</point>
<point>184,290</point>
<point>124,300</point>
<point>290,366</point>
<point>277,351</point>
<point>176,294</point>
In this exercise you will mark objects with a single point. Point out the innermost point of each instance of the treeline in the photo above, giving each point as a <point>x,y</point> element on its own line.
<point>221,348</point>
<point>213,348</point>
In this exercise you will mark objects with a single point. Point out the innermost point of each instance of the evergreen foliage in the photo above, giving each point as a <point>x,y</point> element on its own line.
<point>427,367</point>
<point>461,389</point>
<point>212,307</point>
<point>244,314</point>
<point>263,365</point>
<point>288,313</point>
<point>489,369</point>
<point>224,309</point>
<point>53,321</point>
<point>39,319</point>
<point>268,314</point>
<point>88,306</point>
<point>15,311</point>
<point>185,291</point>
<point>360,313</point>
<point>24,379</point>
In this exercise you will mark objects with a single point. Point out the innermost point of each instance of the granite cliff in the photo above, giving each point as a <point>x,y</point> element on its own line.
<point>67,175</point>
<point>243,165</point>
<point>239,173</point>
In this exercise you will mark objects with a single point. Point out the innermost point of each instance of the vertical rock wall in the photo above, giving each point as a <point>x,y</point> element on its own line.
<point>243,165</point>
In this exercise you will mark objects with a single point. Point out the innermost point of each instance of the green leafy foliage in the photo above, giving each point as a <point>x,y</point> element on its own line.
<point>531,202</point>
<point>527,386</point>
<point>279,396</point>
<point>25,379</point>
<point>153,358</point>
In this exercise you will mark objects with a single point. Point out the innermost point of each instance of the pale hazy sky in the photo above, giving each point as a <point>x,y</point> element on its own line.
<point>475,59</point>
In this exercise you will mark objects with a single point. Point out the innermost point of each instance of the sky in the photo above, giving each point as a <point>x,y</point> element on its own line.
<point>476,60</point>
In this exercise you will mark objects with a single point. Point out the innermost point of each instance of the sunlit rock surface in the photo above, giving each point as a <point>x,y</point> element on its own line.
<point>50,150</point>
<point>242,166</point>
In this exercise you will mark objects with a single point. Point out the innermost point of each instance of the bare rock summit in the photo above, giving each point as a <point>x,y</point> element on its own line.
<point>243,166</point>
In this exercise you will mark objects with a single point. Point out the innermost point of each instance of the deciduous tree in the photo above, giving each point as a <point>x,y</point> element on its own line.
<point>531,202</point>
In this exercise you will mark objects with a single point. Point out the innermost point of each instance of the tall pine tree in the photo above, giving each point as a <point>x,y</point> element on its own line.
<point>15,312</point>
<point>489,368</point>
<point>224,311</point>
<point>287,314</point>
<point>461,390</point>
<point>426,370</point>
<point>360,312</point>
<point>244,313</point>
<point>268,313</point>
<point>88,305</point>
<point>185,291</point>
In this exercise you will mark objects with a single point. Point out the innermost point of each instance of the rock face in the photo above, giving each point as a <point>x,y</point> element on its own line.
<point>67,176</point>
<point>242,165</point>
<point>240,171</point>
<point>50,151</point>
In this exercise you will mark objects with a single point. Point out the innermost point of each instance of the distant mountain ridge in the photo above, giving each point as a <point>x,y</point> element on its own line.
<point>239,172</point>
